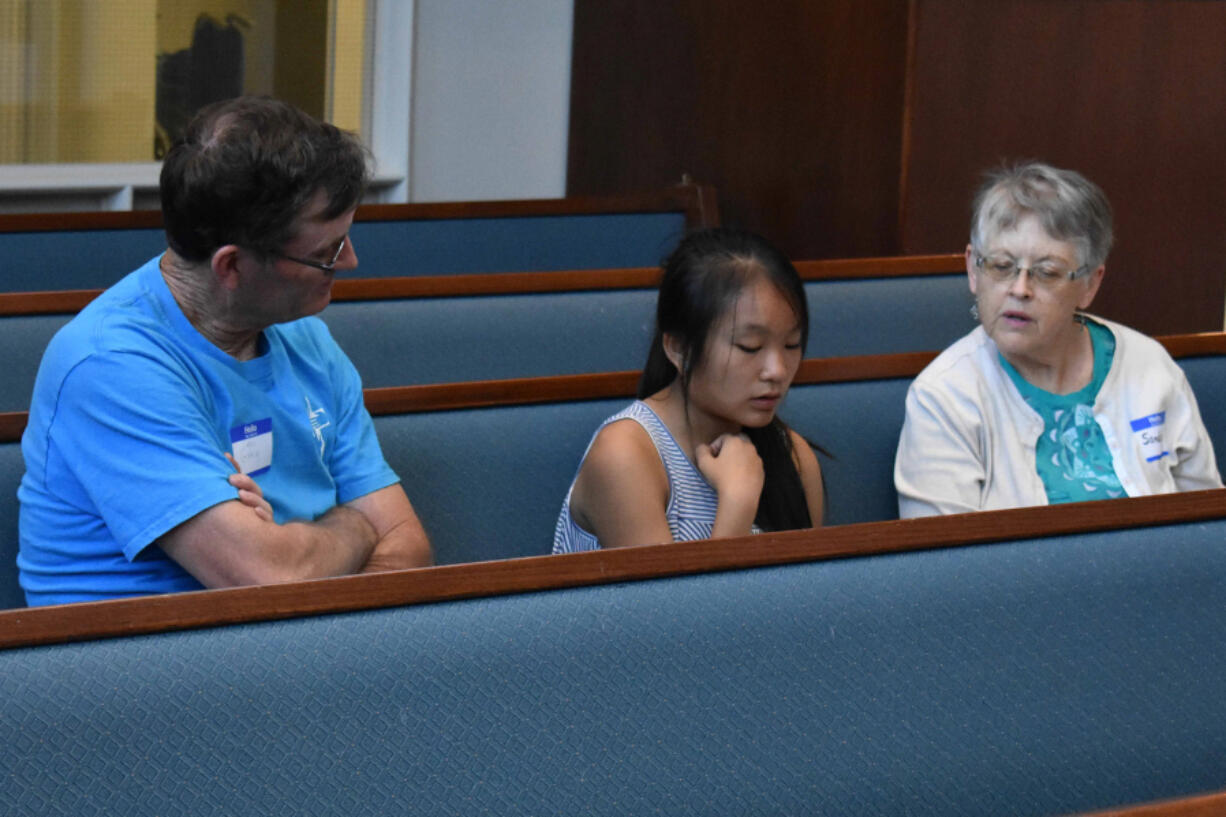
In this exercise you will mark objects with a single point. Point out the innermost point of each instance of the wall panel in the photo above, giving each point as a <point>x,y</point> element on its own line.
<point>1130,93</point>
<point>792,109</point>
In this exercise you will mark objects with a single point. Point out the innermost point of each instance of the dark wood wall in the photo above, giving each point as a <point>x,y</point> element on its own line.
<point>861,127</point>
<point>791,108</point>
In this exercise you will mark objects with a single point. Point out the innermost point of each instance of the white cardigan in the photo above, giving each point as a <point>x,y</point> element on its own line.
<point>968,439</point>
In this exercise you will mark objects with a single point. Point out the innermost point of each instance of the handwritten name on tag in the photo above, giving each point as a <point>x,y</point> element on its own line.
<point>1147,431</point>
<point>251,445</point>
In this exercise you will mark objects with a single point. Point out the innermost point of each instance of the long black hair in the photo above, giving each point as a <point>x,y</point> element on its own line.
<point>702,279</point>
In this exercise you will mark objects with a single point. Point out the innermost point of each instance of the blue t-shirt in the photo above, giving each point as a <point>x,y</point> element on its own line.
<point>132,413</point>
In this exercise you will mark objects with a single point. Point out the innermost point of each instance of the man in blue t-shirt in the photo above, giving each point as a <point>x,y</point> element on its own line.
<point>193,427</point>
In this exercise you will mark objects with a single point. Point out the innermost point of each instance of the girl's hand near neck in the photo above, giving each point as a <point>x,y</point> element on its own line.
<point>732,466</point>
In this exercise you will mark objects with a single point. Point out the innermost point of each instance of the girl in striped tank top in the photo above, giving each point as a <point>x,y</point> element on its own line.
<point>701,453</point>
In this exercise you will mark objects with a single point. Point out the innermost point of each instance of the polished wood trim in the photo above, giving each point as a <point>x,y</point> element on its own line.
<point>603,385</point>
<point>50,302</point>
<point>1193,344</point>
<point>511,392</point>
<point>493,283</point>
<point>708,207</point>
<point>108,220</point>
<point>1202,805</point>
<point>890,266</point>
<point>12,423</point>
<point>517,283</point>
<point>861,367</point>
<point>908,117</point>
<point>153,614</point>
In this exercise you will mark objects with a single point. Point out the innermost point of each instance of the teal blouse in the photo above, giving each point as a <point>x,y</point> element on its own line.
<point>1071,455</point>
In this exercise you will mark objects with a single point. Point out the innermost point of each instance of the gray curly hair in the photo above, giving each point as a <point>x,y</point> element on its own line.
<point>1069,206</point>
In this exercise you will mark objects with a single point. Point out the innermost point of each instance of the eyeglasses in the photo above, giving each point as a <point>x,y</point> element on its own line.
<point>1005,268</point>
<point>326,266</point>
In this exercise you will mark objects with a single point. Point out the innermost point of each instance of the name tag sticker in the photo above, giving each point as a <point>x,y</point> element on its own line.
<point>1147,431</point>
<point>251,445</point>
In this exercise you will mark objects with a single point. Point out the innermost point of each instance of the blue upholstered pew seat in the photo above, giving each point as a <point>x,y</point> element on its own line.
<point>1033,677</point>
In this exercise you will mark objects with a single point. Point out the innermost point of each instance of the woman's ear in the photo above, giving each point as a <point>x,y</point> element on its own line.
<point>1093,282</point>
<point>674,350</point>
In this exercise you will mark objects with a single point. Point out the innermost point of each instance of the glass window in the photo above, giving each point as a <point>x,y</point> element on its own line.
<point>115,81</point>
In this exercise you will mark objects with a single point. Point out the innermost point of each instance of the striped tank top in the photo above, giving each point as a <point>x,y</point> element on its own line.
<point>691,499</point>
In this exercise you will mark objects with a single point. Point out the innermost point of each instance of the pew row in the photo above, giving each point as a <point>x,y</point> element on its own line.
<point>487,464</point>
<point>1031,662</point>
<point>94,250</point>
<point>441,329</point>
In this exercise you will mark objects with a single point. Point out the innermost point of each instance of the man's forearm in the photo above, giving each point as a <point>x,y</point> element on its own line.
<point>402,547</point>
<point>229,545</point>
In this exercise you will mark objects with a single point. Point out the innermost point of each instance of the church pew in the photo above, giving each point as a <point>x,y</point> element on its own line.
<point>55,251</point>
<point>487,464</point>
<point>1033,662</point>
<point>478,327</point>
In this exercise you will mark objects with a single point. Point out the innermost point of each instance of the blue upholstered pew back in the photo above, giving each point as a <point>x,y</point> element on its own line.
<point>1036,677</point>
<point>74,259</point>
<point>95,259</point>
<point>488,483</point>
<point>1207,376</point>
<point>11,469</point>
<point>398,342</point>
<point>515,244</point>
<point>439,340</point>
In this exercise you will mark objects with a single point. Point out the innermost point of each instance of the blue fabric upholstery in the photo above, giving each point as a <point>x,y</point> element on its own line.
<point>874,316</point>
<point>439,340</point>
<point>75,259</point>
<point>24,338</point>
<point>1207,377</point>
<point>858,423</point>
<point>95,259</point>
<point>1030,678</point>
<point>488,483</point>
<point>11,469</point>
<point>516,244</point>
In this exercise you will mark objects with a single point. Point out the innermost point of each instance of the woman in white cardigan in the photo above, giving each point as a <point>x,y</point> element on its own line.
<point>1043,403</point>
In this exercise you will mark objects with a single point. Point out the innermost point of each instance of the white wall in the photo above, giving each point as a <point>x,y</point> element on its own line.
<point>490,99</point>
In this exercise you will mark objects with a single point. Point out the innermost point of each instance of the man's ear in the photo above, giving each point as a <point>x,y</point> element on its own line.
<point>224,263</point>
<point>674,350</point>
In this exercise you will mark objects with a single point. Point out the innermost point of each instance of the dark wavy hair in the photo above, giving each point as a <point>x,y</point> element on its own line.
<point>702,279</point>
<point>246,168</point>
